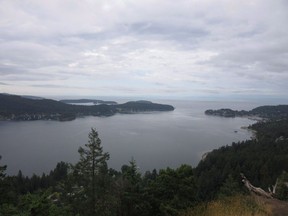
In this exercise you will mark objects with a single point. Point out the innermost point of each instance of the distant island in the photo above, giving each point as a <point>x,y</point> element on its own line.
<point>266,112</point>
<point>83,101</point>
<point>15,107</point>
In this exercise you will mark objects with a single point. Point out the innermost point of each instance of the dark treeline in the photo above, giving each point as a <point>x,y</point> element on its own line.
<point>13,107</point>
<point>90,187</point>
<point>268,112</point>
<point>262,159</point>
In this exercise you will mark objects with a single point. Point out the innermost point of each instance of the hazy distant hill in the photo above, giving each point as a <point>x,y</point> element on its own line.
<point>14,107</point>
<point>75,101</point>
<point>32,97</point>
<point>275,112</point>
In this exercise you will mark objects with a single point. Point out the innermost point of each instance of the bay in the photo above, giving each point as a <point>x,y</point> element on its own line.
<point>155,140</point>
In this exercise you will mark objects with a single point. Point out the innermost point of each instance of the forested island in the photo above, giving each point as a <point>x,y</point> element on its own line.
<point>14,107</point>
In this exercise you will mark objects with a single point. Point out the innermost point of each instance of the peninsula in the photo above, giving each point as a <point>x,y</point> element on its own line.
<point>15,107</point>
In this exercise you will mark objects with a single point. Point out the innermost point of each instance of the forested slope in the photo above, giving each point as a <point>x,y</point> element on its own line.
<point>267,112</point>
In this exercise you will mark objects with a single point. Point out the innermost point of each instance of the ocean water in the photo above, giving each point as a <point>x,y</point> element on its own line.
<point>155,140</point>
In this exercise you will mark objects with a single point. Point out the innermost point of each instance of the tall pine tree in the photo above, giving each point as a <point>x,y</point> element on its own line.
<point>3,185</point>
<point>2,170</point>
<point>91,168</point>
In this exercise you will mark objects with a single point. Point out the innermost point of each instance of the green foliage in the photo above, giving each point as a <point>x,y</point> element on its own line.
<point>282,186</point>
<point>271,112</point>
<point>91,172</point>
<point>8,209</point>
<point>131,172</point>
<point>2,171</point>
<point>261,162</point>
<point>132,191</point>
<point>3,184</point>
<point>273,131</point>
<point>172,190</point>
<point>60,172</point>
<point>36,204</point>
<point>230,188</point>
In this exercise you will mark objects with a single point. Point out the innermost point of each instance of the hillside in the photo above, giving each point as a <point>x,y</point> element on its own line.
<point>13,107</point>
<point>269,112</point>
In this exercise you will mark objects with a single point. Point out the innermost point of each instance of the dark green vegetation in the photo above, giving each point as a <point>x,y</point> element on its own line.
<point>270,112</point>
<point>13,107</point>
<point>90,187</point>
<point>262,160</point>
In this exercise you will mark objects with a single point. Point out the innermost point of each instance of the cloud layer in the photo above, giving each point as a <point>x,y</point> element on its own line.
<point>184,48</point>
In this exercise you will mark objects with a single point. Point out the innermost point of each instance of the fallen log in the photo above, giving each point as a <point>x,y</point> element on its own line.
<point>257,190</point>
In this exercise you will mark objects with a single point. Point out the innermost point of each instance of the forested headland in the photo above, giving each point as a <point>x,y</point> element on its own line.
<point>15,107</point>
<point>90,187</point>
<point>267,112</point>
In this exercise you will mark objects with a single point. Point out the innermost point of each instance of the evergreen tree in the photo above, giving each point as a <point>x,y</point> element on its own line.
<point>131,172</point>
<point>282,186</point>
<point>2,170</point>
<point>230,188</point>
<point>3,188</point>
<point>90,172</point>
<point>172,191</point>
<point>132,201</point>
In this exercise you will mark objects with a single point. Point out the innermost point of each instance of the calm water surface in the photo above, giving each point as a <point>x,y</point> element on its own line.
<point>155,140</point>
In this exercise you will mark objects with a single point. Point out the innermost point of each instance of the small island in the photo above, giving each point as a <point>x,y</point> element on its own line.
<point>226,112</point>
<point>15,107</point>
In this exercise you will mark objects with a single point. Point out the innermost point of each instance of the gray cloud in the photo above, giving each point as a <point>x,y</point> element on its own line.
<point>167,30</point>
<point>8,70</point>
<point>173,48</point>
<point>56,86</point>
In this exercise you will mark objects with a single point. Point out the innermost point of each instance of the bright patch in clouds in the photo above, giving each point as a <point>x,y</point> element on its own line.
<point>186,48</point>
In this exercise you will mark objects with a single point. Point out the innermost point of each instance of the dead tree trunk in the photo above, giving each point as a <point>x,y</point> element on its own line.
<point>257,190</point>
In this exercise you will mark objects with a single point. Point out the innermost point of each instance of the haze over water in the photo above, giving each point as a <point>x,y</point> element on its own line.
<point>154,140</point>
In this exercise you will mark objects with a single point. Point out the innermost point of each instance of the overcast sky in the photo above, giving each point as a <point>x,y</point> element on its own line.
<point>145,48</point>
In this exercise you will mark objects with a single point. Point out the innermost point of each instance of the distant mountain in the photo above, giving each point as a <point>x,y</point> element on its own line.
<point>32,97</point>
<point>83,101</point>
<point>25,96</point>
<point>14,107</point>
<point>269,112</point>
